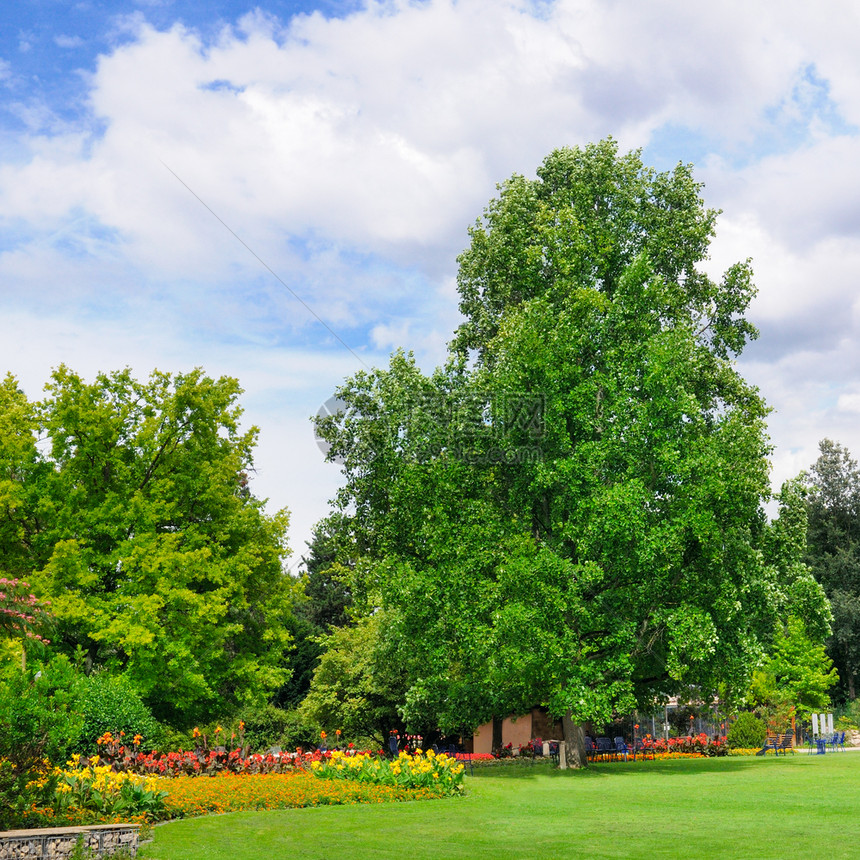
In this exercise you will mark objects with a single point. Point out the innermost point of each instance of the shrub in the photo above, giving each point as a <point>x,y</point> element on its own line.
<point>746,732</point>
<point>264,726</point>
<point>111,704</point>
<point>39,713</point>
<point>299,732</point>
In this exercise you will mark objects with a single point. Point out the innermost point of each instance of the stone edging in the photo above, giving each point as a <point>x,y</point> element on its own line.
<point>58,842</point>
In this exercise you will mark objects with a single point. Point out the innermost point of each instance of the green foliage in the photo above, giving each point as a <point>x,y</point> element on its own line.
<point>302,659</point>
<point>575,517</point>
<point>326,581</point>
<point>265,726</point>
<point>797,674</point>
<point>299,731</point>
<point>746,732</point>
<point>111,704</point>
<point>834,551</point>
<point>137,521</point>
<point>39,716</point>
<point>354,688</point>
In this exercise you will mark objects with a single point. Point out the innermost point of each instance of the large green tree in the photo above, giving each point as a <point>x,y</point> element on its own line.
<point>135,518</point>
<point>570,511</point>
<point>834,551</point>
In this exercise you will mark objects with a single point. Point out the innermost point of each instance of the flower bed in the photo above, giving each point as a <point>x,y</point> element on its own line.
<point>438,773</point>
<point>200,762</point>
<point>699,744</point>
<point>190,796</point>
<point>94,795</point>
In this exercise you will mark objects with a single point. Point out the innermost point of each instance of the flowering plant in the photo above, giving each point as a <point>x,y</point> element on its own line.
<point>22,614</point>
<point>439,773</point>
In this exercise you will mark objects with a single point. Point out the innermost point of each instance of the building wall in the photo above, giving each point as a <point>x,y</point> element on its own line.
<point>482,739</point>
<point>517,731</point>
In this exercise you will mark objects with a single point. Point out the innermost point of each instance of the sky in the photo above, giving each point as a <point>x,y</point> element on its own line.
<point>279,192</point>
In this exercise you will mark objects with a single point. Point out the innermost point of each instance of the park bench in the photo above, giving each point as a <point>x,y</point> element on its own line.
<point>776,743</point>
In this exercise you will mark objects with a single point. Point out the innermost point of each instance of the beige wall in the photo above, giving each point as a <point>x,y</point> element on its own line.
<point>482,740</point>
<point>517,730</point>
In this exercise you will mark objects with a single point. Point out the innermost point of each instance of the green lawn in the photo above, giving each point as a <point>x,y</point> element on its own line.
<point>800,806</point>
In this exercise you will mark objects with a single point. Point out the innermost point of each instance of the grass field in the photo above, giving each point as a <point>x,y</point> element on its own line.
<point>795,807</point>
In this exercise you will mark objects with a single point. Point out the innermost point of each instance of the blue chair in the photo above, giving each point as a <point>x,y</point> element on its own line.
<point>605,748</point>
<point>590,749</point>
<point>621,748</point>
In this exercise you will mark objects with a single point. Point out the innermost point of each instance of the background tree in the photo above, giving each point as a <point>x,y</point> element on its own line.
<point>795,679</point>
<point>574,519</point>
<point>834,551</point>
<point>322,604</point>
<point>136,520</point>
<point>326,578</point>
<point>355,688</point>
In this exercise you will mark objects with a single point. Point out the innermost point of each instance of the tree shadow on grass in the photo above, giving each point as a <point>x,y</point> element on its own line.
<point>604,770</point>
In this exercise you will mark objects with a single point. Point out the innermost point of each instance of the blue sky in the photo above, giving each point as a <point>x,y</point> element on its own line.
<point>350,144</point>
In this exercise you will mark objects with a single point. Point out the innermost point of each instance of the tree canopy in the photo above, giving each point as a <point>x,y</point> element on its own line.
<point>569,512</point>
<point>127,504</point>
<point>834,550</point>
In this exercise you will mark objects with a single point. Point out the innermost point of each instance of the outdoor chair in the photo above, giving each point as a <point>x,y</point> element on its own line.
<point>466,758</point>
<point>642,750</point>
<point>785,744</point>
<point>841,742</point>
<point>590,749</point>
<point>553,751</point>
<point>621,748</point>
<point>605,748</point>
<point>834,741</point>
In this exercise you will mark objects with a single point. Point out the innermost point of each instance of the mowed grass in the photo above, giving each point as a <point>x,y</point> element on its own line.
<point>799,806</point>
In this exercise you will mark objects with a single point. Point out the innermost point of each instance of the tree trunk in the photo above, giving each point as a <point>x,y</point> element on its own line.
<point>574,744</point>
<point>497,734</point>
<point>852,694</point>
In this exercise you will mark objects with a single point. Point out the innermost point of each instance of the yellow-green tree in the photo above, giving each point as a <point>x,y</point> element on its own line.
<point>136,519</point>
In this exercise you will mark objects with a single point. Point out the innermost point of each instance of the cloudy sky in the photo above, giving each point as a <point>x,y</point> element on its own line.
<point>349,144</point>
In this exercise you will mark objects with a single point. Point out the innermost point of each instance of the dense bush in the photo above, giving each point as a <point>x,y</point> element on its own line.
<point>110,704</point>
<point>747,732</point>
<point>38,720</point>
<point>39,715</point>
<point>267,726</point>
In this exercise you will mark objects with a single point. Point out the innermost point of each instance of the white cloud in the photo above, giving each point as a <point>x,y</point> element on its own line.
<point>68,42</point>
<point>352,153</point>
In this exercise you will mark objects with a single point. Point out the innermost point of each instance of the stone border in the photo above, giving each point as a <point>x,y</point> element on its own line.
<point>58,842</point>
